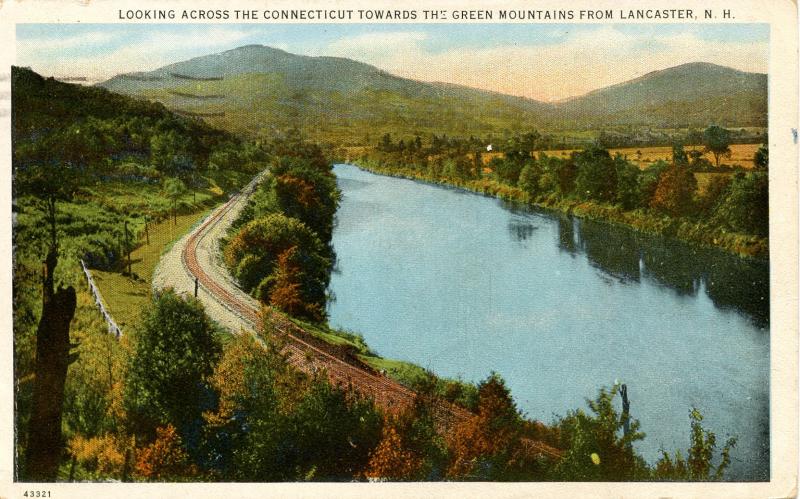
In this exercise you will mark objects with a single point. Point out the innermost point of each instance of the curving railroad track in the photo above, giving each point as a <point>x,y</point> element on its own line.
<point>303,351</point>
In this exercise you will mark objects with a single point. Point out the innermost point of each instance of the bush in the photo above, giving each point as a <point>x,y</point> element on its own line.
<point>595,450</point>
<point>176,350</point>
<point>254,254</point>
<point>674,193</point>
<point>597,175</point>
<point>745,207</point>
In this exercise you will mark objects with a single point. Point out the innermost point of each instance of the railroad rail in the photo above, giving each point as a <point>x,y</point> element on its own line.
<point>310,358</point>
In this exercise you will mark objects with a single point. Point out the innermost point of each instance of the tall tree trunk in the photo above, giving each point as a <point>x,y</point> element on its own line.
<point>52,358</point>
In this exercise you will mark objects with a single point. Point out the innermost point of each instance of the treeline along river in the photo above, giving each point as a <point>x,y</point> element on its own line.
<point>464,285</point>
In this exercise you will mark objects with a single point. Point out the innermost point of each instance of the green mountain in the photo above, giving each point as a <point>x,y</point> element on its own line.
<point>254,89</point>
<point>694,94</point>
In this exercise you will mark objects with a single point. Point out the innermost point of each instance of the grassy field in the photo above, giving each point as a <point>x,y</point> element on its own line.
<point>741,154</point>
<point>125,295</point>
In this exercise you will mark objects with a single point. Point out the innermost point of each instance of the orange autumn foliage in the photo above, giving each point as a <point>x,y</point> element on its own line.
<point>104,455</point>
<point>164,459</point>
<point>494,430</point>
<point>390,460</point>
<point>301,190</point>
<point>286,292</point>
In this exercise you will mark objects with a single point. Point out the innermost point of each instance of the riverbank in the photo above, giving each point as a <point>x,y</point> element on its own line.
<point>684,229</point>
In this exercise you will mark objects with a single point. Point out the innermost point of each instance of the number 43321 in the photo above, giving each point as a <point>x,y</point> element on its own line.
<point>36,493</point>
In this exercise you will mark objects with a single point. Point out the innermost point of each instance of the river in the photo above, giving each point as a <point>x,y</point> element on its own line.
<point>465,285</point>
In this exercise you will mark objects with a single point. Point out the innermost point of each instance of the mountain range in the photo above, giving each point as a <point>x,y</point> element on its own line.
<point>255,89</point>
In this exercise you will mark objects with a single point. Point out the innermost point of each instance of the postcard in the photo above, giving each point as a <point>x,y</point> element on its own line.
<point>417,249</point>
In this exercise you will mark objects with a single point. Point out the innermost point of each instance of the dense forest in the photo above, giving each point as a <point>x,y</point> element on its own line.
<point>177,398</point>
<point>664,197</point>
<point>92,172</point>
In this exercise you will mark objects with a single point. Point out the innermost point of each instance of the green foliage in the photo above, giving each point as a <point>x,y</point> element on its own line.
<point>279,248</point>
<point>745,207</point>
<point>508,171</point>
<point>679,156</point>
<point>336,430</point>
<point>716,190</point>
<point>648,181</point>
<point>597,449</point>
<point>252,255</point>
<point>175,351</point>
<point>628,193</point>
<point>761,157</point>
<point>699,465</point>
<point>305,192</point>
<point>597,175</point>
<point>717,141</point>
<point>174,189</point>
<point>529,179</point>
<point>169,153</point>
<point>284,428</point>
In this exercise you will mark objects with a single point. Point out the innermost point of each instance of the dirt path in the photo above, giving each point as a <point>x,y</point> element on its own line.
<point>172,272</point>
<point>197,256</point>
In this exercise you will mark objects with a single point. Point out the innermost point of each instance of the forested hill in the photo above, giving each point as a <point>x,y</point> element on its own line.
<point>258,88</point>
<point>120,125</point>
<point>680,96</point>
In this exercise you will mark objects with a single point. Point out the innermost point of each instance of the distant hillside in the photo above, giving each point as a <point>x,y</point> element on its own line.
<point>693,94</point>
<point>41,106</point>
<point>256,88</point>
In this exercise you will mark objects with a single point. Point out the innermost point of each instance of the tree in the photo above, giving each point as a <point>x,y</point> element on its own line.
<point>176,350</point>
<point>391,460</point>
<point>597,448</point>
<point>597,175</point>
<point>745,207</point>
<point>252,255</point>
<point>674,194</point>
<point>717,141</point>
<point>761,157</point>
<point>169,153</point>
<point>679,156</point>
<point>42,172</point>
<point>488,446</point>
<point>286,291</point>
<point>306,193</point>
<point>174,189</point>
<point>698,466</point>
<point>165,459</point>
<point>529,179</point>
<point>337,431</point>
<point>627,183</point>
<point>506,170</point>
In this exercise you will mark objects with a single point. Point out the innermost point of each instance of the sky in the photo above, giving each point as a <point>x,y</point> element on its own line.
<point>547,62</point>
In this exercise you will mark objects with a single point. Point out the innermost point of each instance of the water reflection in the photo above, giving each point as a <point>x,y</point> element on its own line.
<point>566,234</point>
<point>729,281</point>
<point>521,229</point>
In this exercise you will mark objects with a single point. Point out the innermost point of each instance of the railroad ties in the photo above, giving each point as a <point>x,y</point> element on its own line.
<point>310,358</point>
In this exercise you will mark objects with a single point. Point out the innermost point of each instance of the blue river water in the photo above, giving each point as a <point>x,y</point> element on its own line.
<point>465,285</point>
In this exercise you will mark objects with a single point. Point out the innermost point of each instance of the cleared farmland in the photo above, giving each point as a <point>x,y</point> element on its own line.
<point>741,154</point>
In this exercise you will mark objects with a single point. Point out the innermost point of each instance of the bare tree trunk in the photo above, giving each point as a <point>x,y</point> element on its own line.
<point>52,358</point>
<point>626,411</point>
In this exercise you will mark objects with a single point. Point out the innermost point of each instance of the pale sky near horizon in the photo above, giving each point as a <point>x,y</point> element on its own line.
<point>541,61</point>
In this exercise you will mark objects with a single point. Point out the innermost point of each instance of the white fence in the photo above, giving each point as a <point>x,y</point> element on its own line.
<point>98,300</point>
